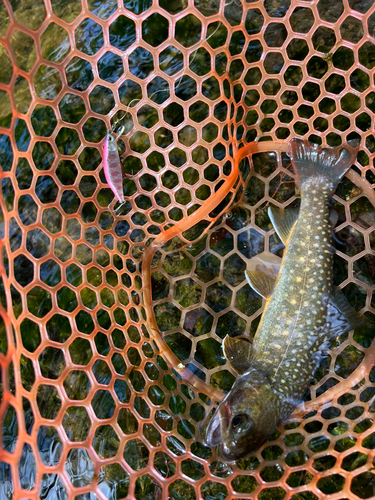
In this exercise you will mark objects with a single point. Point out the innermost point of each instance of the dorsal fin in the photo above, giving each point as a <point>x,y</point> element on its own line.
<point>260,282</point>
<point>238,350</point>
<point>333,217</point>
<point>341,317</point>
<point>345,311</point>
<point>283,221</point>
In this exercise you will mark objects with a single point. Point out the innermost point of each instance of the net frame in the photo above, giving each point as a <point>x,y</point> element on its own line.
<point>204,476</point>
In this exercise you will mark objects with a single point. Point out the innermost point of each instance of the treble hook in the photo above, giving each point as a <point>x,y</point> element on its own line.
<point>114,211</point>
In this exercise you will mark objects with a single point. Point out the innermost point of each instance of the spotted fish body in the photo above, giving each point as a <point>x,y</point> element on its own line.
<point>301,312</point>
<point>112,166</point>
<point>296,312</point>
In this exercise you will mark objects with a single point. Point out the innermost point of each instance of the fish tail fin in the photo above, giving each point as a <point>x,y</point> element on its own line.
<point>312,162</point>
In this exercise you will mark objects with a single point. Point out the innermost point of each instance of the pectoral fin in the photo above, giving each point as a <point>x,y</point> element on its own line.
<point>238,350</point>
<point>283,221</point>
<point>260,282</point>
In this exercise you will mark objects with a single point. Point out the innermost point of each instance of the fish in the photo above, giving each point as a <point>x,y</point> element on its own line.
<point>302,312</point>
<point>112,165</point>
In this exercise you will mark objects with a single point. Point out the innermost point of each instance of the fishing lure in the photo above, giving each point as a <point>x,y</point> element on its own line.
<point>113,168</point>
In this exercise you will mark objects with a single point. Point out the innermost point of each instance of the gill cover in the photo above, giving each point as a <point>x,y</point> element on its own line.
<point>246,418</point>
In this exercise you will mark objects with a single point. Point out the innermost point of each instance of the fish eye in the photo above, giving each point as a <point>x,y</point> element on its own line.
<point>240,422</point>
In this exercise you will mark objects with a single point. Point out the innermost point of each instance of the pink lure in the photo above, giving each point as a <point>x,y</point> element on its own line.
<point>112,166</point>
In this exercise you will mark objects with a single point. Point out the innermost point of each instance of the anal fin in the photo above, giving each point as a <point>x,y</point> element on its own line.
<point>238,351</point>
<point>260,282</point>
<point>283,221</point>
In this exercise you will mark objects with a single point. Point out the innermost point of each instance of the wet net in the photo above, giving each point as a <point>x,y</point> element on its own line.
<point>111,326</point>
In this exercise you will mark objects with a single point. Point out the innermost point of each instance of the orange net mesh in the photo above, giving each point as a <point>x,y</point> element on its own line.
<point>110,340</point>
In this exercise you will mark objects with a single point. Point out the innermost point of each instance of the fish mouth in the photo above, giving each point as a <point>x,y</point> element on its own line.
<point>227,413</point>
<point>214,430</point>
<point>228,455</point>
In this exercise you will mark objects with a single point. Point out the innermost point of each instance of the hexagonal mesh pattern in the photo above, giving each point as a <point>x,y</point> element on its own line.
<point>111,326</point>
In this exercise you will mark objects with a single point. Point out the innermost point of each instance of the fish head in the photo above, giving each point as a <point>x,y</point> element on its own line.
<point>246,418</point>
<point>110,136</point>
<point>110,144</point>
